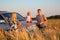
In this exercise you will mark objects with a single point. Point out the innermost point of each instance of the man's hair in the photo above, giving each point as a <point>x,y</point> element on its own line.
<point>39,10</point>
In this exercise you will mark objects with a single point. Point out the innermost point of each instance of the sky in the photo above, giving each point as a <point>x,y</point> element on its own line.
<point>48,7</point>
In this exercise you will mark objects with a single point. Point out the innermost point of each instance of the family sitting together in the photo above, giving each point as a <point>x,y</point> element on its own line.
<point>41,21</point>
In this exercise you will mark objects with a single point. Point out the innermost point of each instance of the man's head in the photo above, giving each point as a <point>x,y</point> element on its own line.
<point>39,11</point>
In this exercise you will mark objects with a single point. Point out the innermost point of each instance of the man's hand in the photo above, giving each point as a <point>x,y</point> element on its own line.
<point>45,23</point>
<point>41,22</point>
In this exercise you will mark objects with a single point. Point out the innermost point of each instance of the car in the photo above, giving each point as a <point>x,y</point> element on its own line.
<point>4,23</point>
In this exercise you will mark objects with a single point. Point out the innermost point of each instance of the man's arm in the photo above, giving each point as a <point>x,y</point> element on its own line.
<point>45,21</point>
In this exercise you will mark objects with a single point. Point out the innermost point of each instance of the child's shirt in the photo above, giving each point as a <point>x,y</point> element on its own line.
<point>28,18</point>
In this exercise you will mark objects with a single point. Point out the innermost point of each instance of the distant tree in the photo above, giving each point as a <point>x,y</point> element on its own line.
<point>54,17</point>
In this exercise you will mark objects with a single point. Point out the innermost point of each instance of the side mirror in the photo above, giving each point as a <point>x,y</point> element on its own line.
<point>2,21</point>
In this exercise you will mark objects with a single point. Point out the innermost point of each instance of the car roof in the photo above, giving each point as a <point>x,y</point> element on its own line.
<point>4,12</point>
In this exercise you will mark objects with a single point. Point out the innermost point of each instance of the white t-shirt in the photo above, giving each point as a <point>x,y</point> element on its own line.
<point>28,18</point>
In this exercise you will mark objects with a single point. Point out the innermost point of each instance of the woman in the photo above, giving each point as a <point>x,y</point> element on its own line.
<point>14,21</point>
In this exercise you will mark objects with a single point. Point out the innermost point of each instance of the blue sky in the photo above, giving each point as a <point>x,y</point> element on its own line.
<point>49,7</point>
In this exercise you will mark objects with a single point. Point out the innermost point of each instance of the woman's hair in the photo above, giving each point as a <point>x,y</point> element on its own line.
<point>13,17</point>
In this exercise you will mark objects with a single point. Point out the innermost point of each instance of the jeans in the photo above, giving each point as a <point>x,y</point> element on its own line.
<point>31,29</point>
<point>41,26</point>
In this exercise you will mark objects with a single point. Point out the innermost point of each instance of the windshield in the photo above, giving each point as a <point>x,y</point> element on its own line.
<point>19,17</point>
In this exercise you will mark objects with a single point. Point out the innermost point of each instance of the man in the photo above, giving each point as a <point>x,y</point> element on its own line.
<point>41,19</point>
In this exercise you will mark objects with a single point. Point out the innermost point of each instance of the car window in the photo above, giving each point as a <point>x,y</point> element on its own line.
<point>8,15</point>
<point>2,19</point>
<point>19,17</point>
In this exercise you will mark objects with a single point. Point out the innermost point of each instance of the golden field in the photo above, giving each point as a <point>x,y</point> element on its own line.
<point>51,32</point>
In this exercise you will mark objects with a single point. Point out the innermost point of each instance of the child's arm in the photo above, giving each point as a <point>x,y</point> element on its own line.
<point>31,18</point>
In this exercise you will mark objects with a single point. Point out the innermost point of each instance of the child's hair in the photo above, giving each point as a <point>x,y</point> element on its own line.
<point>28,13</point>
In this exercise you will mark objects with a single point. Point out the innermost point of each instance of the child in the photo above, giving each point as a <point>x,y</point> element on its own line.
<point>28,18</point>
<point>29,27</point>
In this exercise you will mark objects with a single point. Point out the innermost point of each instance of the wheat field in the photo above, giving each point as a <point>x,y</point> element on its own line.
<point>51,32</point>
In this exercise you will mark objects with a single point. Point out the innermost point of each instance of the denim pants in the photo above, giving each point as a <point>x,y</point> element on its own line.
<point>41,26</point>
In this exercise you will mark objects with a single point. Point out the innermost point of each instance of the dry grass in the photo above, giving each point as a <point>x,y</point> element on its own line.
<point>52,32</point>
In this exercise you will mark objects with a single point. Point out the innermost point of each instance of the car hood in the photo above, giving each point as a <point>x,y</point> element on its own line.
<point>24,23</point>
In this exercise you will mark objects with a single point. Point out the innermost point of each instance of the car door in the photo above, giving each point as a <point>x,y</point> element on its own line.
<point>21,19</point>
<point>3,23</point>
